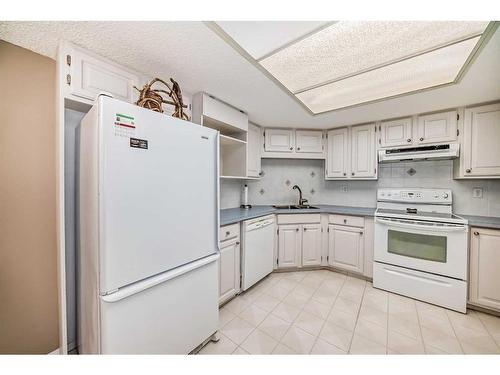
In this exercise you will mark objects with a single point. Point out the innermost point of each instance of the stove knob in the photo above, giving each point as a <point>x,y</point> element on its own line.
<point>445,195</point>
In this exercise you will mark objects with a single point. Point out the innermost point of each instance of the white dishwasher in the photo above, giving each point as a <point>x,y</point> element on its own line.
<point>257,255</point>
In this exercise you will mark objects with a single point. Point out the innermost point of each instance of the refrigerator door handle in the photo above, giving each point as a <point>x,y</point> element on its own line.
<point>158,279</point>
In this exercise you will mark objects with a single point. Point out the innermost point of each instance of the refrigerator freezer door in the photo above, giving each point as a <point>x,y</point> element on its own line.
<point>171,317</point>
<point>158,187</point>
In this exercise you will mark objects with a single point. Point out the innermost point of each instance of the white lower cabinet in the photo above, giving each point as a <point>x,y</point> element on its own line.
<point>346,248</point>
<point>229,264</point>
<point>311,244</point>
<point>484,284</point>
<point>289,244</point>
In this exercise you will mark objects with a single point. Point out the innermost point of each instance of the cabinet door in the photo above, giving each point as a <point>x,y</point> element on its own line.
<point>346,248</point>
<point>279,140</point>
<point>229,270</point>
<point>363,160</point>
<point>438,127</point>
<point>253,151</point>
<point>484,266</point>
<point>309,141</point>
<point>396,133</point>
<point>481,145</point>
<point>311,244</point>
<point>337,153</point>
<point>289,241</point>
<point>90,75</point>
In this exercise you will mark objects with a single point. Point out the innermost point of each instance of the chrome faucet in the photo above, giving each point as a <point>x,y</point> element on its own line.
<point>302,201</point>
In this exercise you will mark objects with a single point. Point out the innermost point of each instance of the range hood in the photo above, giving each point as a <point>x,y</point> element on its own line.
<point>428,152</point>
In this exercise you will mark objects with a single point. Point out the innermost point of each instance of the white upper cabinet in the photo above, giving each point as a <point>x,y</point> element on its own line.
<point>309,141</point>
<point>484,286</point>
<point>253,151</point>
<point>437,127</point>
<point>311,244</point>
<point>363,157</point>
<point>337,153</point>
<point>293,144</point>
<point>211,112</point>
<point>396,133</point>
<point>289,245</point>
<point>481,142</point>
<point>87,75</point>
<point>279,140</point>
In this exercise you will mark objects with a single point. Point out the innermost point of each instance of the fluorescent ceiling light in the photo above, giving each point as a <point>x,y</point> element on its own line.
<point>433,68</point>
<point>349,63</point>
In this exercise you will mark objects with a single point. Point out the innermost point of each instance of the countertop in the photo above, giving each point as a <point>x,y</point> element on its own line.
<point>234,215</point>
<point>482,221</point>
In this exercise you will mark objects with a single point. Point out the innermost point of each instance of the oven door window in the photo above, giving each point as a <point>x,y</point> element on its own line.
<point>413,245</point>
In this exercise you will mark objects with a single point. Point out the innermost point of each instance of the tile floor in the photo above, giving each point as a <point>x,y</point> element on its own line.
<point>324,312</point>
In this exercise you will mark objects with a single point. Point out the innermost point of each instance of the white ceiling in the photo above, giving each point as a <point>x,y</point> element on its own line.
<point>201,61</point>
<point>260,38</point>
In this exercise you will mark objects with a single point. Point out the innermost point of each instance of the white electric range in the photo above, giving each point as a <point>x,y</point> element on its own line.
<point>421,246</point>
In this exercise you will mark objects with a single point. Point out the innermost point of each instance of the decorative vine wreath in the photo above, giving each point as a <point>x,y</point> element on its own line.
<point>152,99</point>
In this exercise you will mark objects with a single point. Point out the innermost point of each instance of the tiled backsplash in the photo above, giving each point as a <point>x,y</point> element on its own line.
<point>273,188</point>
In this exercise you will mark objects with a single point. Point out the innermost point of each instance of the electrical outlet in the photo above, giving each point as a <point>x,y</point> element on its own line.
<point>343,188</point>
<point>477,192</point>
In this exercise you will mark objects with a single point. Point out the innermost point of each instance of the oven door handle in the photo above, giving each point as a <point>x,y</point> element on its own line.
<point>434,228</point>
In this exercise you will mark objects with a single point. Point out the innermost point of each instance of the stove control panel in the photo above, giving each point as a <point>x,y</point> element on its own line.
<point>432,196</point>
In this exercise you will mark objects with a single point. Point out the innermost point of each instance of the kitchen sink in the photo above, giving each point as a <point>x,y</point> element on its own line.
<point>294,207</point>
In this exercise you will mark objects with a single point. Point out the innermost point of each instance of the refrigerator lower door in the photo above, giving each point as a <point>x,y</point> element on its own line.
<point>171,313</point>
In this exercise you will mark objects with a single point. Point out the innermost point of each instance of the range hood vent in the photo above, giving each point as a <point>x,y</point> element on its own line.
<point>429,152</point>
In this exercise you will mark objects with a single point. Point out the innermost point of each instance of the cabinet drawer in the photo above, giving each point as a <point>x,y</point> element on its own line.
<point>353,221</point>
<point>229,232</point>
<point>299,218</point>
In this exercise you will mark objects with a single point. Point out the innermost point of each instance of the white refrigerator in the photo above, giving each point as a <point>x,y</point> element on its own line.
<point>149,217</point>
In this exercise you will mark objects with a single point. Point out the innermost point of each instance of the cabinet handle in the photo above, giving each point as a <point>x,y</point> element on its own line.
<point>476,233</point>
<point>291,148</point>
<point>408,140</point>
<point>297,229</point>
<point>467,170</point>
<point>361,233</point>
<point>345,221</point>
<point>238,242</point>
<point>228,233</point>
<point>305,229</point>
<point>352,173</point>
<point>421,138</point>
<point>345,174</point>
<point>298,148</point>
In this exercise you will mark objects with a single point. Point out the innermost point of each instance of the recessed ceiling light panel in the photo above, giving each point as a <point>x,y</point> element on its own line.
<point>348,63</point>
<point>431,69</point>
<point>346,48</point>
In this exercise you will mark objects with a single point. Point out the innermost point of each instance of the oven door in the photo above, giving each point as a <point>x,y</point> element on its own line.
<point>434,247</point>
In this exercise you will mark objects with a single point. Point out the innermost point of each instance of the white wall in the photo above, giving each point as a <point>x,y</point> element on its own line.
<point>309,175</point>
